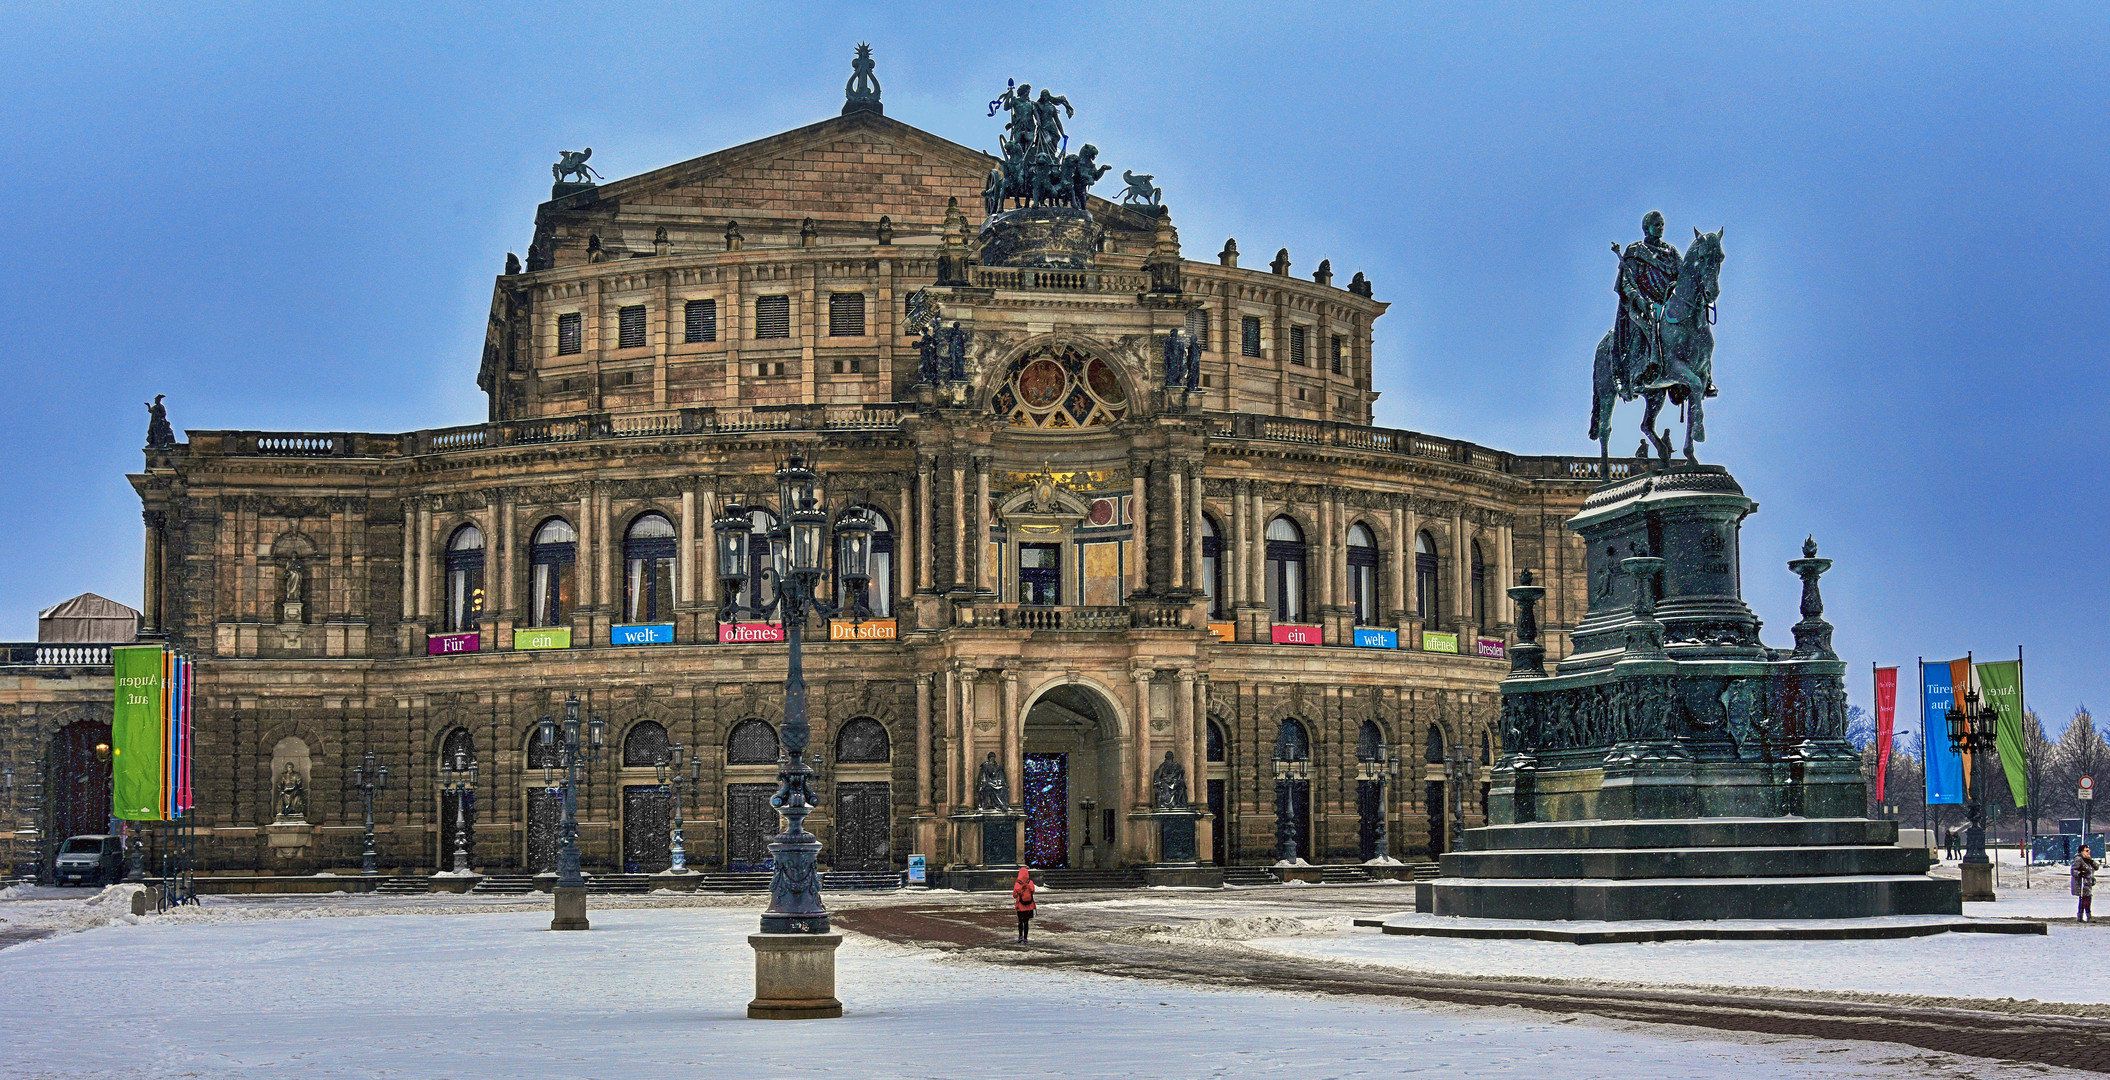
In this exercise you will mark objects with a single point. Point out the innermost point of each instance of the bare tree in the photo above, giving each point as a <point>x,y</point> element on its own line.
<point>2079,752</point>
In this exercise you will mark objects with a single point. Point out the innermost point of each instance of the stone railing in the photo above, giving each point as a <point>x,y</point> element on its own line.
<point>1075,619</point>
<point>1256,427</point>
<point>1091,281</point>
<point>55,654</point>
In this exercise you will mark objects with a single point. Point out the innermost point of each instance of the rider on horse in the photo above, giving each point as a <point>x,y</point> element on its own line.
<point>1648,271</point>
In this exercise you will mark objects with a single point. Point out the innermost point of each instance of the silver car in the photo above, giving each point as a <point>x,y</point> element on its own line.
<point>90,860</point>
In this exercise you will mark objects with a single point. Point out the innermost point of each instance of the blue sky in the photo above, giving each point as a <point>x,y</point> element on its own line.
<point>288,218</point>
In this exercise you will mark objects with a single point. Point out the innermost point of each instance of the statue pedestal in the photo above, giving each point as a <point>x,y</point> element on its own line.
<point>677,880</point>
<point>1039,237</point>
<point>571,909</point>
<point>288,838</point>
<point>1175,836</point>
<point>291,612</point>
<point>794,977</point>
<point>1978,883</point>
<point>455,883</point>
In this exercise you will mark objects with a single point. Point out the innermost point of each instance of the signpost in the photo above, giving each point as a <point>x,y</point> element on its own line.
<point>2087,805</point>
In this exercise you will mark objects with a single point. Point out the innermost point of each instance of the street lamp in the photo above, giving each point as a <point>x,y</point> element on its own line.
<point>1089,854</point>
<point>787,984</point>
<point>570,891</point>
<point>1381,770</point>
<point>671,780</point>
<point>1288,774</point>
<point>1460,769</point>
<point>1973,729</point>
<point>459,777</point>
<point>369,776</point>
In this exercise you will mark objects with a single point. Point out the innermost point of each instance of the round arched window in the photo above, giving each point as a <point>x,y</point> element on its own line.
<point>1060,387</point>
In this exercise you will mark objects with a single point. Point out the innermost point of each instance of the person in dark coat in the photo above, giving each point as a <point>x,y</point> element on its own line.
<point>2084,884</point>
<point>1022,900</point>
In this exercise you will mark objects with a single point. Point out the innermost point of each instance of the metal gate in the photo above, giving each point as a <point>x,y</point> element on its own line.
<point>80,782</point>
<point>545,820</point>
<point>749,823</point>
<point>1047,784</point>
<point>648,814</point>
<point>1220,827</point>
<point>863,826</point>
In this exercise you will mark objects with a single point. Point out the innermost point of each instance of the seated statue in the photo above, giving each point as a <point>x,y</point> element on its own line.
<point>292,795</point>
<point>991,788</point>
<point>1170,784</point>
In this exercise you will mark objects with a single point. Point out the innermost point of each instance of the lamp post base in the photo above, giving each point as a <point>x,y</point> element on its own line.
<point>571,909</point>
<point>1978,883</point>
<point>794,977</point>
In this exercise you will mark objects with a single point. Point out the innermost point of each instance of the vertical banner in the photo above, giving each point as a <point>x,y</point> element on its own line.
<point>2001,683</point>
<point>1944,767</point>
<point>138,725</point>
<point>186,732</point>
<point>1886,722</point>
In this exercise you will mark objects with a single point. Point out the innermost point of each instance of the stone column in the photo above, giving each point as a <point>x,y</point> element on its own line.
<point>1257,557</point>
<point>424,557</point>
<point>1236,547</point>
<point>1014,738</point>
<point>1139,798</point>
<point>926,469</point>
<point>959,522</point>
<point>608,543</point>
<point>707,512</point>
<point>1194,527</point>
<point>1505,558</point>
<point>1411,627</point>
<point>1139,566</point>
<point>906,534</point>
<point>1402,552</point>
<point>1328,524</point>
<point>1461,571</point>
<point>980,539</point>
<point>968,750</point>
<point>499,583</point>
<point>952,740</point>
<point>923,722</point>
<point>1176,520</point>
<point>582,564</point>
<point>685,552</point>
<point>410,559</point>
<point>150,580</point>
<point>1183,730</point>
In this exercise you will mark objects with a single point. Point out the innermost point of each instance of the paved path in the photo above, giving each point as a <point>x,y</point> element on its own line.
<point>17,937</point>
<point>1075,939</point>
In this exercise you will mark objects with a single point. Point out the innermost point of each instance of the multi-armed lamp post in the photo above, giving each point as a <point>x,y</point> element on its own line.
<point>795,952</point>
<point>671,780</point>
<point>459,777</point>
<point>1382,770</point>
<point>1974,729</point>
<point>570,890</point>
<point>369,776</point>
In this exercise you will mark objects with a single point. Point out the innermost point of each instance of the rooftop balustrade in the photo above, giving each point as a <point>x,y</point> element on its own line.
<point>54,654</point>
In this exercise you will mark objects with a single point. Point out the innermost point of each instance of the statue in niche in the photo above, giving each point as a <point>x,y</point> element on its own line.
<point>159,433</point>
<point>292,795</point>
<point>992,791</point>
<point>296,583</point>
<point>1170,784</point>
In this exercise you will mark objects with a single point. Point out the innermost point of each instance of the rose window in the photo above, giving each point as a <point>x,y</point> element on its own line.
<point>1061,388</point>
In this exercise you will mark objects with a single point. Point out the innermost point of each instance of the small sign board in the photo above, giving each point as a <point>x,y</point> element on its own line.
<point>446,644</point>
<point>916,874</point>
<point>740,633</point>
<point>2088,787</point>
<point>1226,632</point>
<point>1370,637</point>
<point>1491,648</point>
<point>868,630</point>
<point>642,634</point>
<point>548,637</point>
<point>1297,635</point>
<point>1433,641</point>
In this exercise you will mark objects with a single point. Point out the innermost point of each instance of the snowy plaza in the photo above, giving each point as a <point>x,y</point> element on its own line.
<point>365,986</point>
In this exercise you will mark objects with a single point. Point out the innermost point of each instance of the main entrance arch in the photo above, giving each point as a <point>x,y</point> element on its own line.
<point>1071,780</point>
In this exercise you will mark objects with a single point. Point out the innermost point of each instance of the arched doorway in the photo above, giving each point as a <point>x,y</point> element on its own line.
<point>750,768</point>
<point>863,832</point>
<point>1370,757</point>
<point>647,806</point>
<point>79,781</point>
<point>1072,766</point>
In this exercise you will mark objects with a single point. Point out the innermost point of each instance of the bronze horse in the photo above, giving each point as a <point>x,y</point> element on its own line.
<point>1680,369</point>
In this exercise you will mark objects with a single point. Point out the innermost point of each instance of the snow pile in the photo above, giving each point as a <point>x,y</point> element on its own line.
<point>1235,928</point>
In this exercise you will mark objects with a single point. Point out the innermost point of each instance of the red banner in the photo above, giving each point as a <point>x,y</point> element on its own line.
<point>1886,720</point>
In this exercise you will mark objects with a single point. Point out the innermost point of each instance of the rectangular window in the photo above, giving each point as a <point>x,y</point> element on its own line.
<point>630,327</point>
<point>701,317</point>
<point>846,314</point>
<point>1338,341</point>
<point>1296,345</point>
<point>1198,326</point>
<point>1249,335</point>
<point>569,334</point>
<point>772,316</point>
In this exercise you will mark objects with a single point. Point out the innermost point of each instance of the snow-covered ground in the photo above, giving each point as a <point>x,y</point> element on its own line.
<point>241,989</point>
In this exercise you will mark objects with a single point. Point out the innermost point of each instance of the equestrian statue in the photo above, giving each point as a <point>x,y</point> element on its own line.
<point>1660,348</point>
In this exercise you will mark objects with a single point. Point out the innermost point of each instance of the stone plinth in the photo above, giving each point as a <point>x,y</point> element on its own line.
<point>1311,875</point>
<point>1190,876</point>
<point>681,881</point>
<point>570,909</point>
<point>794,977</point>
<point>1040,237</point>
<point>984,879</point>
<point>288,838</point>
<point>1977,883</point>
<point>1175,837</point>
<point>456,883</point>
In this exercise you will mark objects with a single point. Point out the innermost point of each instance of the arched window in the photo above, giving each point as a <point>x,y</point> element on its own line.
<point>646,745</point>
<point>1434,751</point>
<point>1370,743</point>
<point>1487,747</point>
<point>1479,587</point>
<point>465,579</point>
<point>541,755</point>
<point>552,557</point>
<point>458,749</point>
<point>1362,573</point>
<point>752,742</point>
<point>1213,567</point>
<point>1217,742</point>
<point>1291,742</point>
<point>862,741</point>
<point>648,569</point>
<point>1427,602</point>
<point>878,594</point>
<point>1285,570</point>
<point>760,556</point>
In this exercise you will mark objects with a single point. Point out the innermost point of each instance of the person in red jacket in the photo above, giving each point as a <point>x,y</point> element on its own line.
<point>1022,899</point>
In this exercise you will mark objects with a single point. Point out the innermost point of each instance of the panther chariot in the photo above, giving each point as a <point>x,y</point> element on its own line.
<point>1036,195</point>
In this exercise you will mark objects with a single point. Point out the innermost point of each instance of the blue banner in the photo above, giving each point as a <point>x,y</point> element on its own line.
<point>1372,638</point>
<point>642,634</point>
<point>1944,765</point>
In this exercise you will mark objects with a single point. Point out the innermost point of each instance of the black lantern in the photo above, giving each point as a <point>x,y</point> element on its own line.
<point>853,551</point>
<point>733,527</point>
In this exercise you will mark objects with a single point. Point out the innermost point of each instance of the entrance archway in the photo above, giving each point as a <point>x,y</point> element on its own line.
<point>79,780</point>
<point>1072,760</point>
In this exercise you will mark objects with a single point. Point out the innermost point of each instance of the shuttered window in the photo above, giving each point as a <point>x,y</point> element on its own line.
<point>1337,343</point>
<point>1296,345</point>
<point>1249,335</point>
<point>772,316</point>
<point>630,327</point>
<point>701,319</point>
<point>1198,326</point>
<point>568,333</point>
<point>846,314</point>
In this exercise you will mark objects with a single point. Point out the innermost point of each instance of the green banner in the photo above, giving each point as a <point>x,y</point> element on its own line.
<point>2001,684</point>
<point>137,725</point>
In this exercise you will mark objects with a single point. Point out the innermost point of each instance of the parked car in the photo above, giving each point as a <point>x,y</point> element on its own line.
<point>90,860</point>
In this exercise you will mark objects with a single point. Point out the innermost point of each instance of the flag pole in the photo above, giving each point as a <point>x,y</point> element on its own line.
<point>1926,756</point>
<point>2028,774</point>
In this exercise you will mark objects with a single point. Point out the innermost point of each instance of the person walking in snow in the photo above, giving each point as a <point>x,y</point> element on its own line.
<point>1022,900</point>
<point>2084,884</point>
